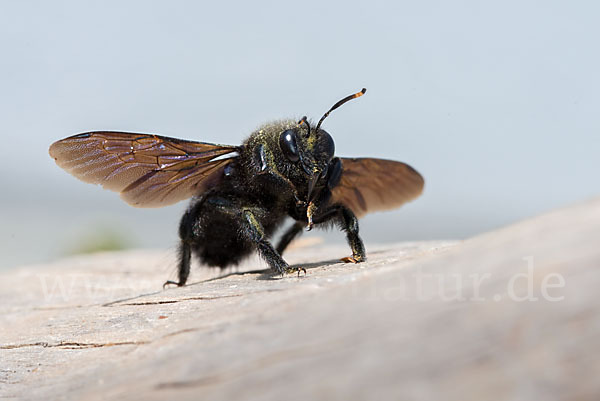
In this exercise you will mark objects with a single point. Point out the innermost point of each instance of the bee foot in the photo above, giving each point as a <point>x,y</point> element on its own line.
<point>170,282</point>
<point>351,259</point>
<point>298,269</point>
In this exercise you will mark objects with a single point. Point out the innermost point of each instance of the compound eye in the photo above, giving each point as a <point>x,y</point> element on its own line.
<point>287,143</point>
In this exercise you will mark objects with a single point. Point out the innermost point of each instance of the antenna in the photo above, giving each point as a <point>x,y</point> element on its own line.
<point>341,102</point>
<point>303,121</point>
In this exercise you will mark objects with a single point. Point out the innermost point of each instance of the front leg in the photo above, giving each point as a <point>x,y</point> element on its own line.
<point>253,230</point>
<point>347,222</point>
<point>343,216</point>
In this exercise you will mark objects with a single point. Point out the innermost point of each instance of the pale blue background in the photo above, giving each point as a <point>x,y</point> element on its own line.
<point>495,103</point>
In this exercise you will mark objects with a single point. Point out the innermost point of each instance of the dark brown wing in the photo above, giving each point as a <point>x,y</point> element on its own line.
<point>369,185</point>
<point>148,170</point>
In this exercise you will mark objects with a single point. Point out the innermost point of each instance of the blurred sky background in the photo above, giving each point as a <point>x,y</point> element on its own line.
<point>496,103</point>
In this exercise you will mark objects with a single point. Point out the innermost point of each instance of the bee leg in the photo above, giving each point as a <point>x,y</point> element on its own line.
<point>185,253</point>
<point>186,230</point>
<point>310,211</point>
<point>264,163</point>
<point>289,236</point>
<point>349,223</point>
<point>255,232</point>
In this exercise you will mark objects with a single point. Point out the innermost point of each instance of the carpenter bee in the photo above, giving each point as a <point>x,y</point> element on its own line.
<point>242,194</point>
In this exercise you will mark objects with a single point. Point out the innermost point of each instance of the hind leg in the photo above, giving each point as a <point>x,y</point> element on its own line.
<point>290,234</point>
<point>183,269</point>
<point>186,235</point>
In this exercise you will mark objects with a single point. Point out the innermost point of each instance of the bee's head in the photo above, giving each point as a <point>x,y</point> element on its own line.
<point>312,151</point>
<point>311,148</point>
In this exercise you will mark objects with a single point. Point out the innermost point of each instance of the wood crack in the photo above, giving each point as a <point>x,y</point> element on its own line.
<point>174,301</point>
<point>72,344</point>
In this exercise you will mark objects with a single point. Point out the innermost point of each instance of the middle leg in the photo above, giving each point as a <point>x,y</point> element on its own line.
<point>254,231</point>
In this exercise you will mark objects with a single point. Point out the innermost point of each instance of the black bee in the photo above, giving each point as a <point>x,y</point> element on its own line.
<point>242,194</point>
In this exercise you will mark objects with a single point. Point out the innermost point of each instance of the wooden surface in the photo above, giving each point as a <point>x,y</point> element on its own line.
<point>409,324</point>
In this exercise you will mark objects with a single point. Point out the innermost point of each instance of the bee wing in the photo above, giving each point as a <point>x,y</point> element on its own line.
<point>369,185</point>
<point>148,170</point>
